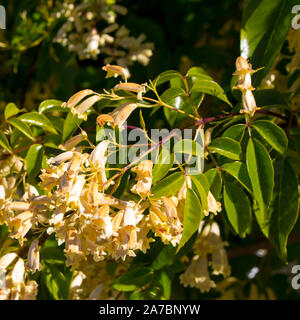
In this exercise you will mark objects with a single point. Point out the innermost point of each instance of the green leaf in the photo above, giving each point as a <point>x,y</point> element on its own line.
<point>193,214</point>
<point>4,142</point>
<point>71,124</point>
<point>235,132</point>
<point>166,76</point>
<point>165,257</point>
<point>273,134</point>
<point>168,186</point>
<point>176,97</point>
<point>265,27</point>
<point>55,281</point>
<point>202,189</point>
<point>53,255</point>
<point>34,160</point>
<point>165,281</point>
<point>226,147</point>
<point>51,105</point>
<point>38,120</point>
<point>133,280</point>
<point>188,146</point>
<point>203,83</point>
<point>203,180</point>
<point>238,208</point>
<point>11,110</point>
<point>239,171</point>
<point>261,174</point>
<point>215,181</point>
<point>163,165</point>
<point>21,126</point>
<point>284,207</point>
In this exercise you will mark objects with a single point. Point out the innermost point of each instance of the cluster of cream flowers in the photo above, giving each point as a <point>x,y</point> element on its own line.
<point>13,282</point>
<point>74,202</point>
<point>80,34</point>
<point>209,251</point>
<point>244,71</point>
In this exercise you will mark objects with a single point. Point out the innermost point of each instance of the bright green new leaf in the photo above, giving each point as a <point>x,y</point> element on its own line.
<point>273,134</point>
<point>11,110</point>
<point>51,105</point>
<point>226,147</point>
<point>39,120</point>
<point>34,160</point>
<point>21,126</point>
<point>238,208</point>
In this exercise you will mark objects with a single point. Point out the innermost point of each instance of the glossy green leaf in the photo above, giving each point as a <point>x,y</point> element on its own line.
<point>226,147</point>
<point>238,208</point>
<point>34,159</point>
<point>4,142</point>
<point>284,207</point>
<point>265,26</point>
<point>203,180</point>
<point>193,214</point>
<point>39,120</point>
<point>202,189</point>
<point>239,171</point>
<point>168,186</point>
<point>177,98</point>
<point>51,105</point>
<point>11,110</point>
<point>166,76</point>
<point>203,83</point>
<point>71,124</point>
<point>261,174</point>
<point>21,126</point>
<point>164,164</point>
<point>133,280</point>
<point>235,132</point>
<point>273,134</point>
<point>215,181</point>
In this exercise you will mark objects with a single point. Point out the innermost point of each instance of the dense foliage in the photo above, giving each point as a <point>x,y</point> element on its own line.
<point>149,151</point>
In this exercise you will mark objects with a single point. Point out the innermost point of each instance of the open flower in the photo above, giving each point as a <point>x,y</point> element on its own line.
<point>214,206</point>
<point>165,220</point>
<point>33,259</point>
<point>144,178</point>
